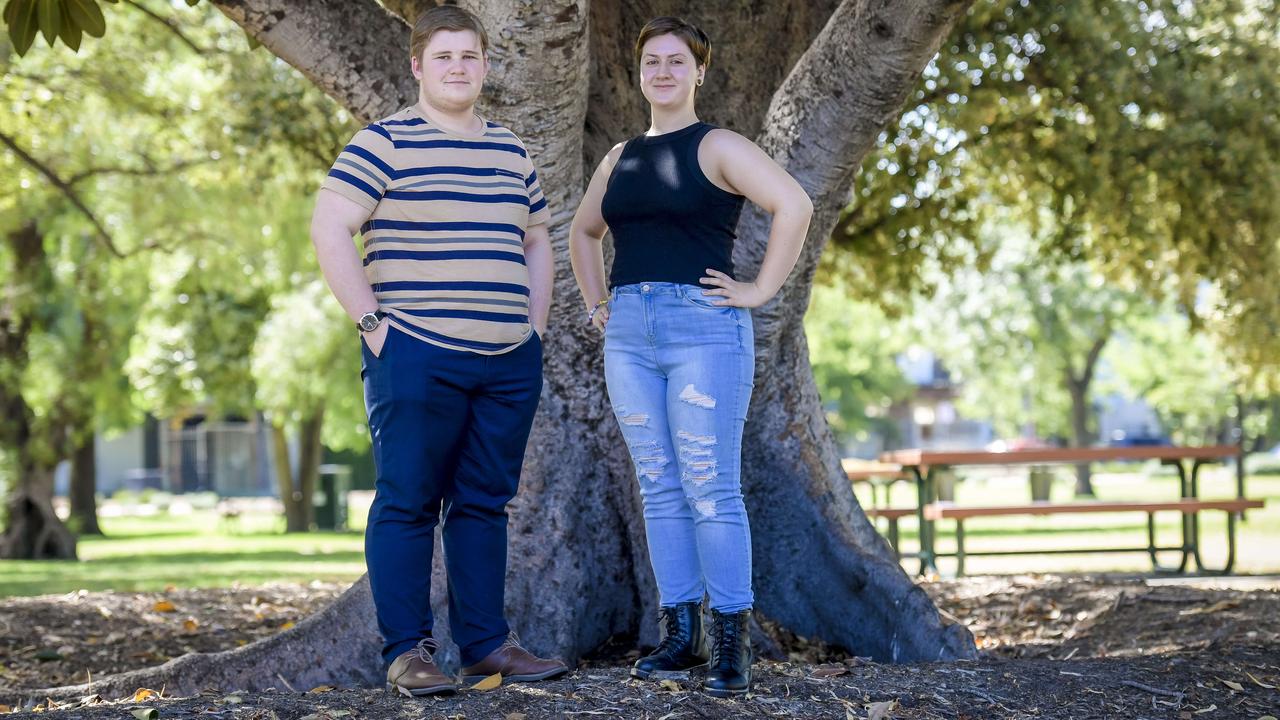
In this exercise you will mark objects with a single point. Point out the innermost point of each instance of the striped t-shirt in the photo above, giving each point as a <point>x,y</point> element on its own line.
<point>443,246</point>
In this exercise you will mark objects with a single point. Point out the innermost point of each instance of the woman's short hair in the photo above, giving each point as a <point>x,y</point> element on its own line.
<point>698,42</point>
<point>444,17</point>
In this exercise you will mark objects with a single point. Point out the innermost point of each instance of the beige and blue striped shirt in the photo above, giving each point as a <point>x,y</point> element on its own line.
<point>444,243</point>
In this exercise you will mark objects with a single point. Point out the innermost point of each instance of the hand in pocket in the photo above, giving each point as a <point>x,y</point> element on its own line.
<point>377,339</point>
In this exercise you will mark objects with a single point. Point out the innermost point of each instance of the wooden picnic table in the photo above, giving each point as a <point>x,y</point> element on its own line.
<point>923,464</point>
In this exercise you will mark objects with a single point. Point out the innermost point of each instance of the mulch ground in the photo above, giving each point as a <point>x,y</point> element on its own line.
<point>1052,647</point>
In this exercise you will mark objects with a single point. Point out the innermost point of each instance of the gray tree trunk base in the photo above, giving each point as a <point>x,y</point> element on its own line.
<point>34,531</point>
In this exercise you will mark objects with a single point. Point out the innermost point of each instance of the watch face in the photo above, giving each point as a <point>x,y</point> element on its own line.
<point>368,322</point>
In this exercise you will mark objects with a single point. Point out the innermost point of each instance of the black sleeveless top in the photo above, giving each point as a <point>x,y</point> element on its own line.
<point>669,222</point>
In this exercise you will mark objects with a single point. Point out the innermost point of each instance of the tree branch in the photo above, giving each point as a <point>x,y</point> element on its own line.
<point>148,171</point>
<point>354,50</point>
<point>66,189</point>
<point>852,82</point>
<point>169,25</point>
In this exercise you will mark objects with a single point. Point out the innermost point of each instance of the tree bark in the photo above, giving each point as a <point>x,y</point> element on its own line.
<point>290,498</point>
<point>578,570</point>
<point>1081,413</point>
<point>309,453</point>
<point>32,529</point>
<point>84,487</point>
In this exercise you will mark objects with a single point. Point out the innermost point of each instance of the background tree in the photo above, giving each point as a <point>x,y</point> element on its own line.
<point>1143,131</point>
<point>305,372</point>
<point>1025,339</point>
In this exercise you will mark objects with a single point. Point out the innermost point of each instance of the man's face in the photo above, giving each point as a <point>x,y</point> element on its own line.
<point>451,70</point>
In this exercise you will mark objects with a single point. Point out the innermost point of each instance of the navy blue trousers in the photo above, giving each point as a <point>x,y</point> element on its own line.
<point>449,430</point>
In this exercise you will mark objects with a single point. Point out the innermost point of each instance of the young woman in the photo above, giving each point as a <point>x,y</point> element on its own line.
<point>679,348</point>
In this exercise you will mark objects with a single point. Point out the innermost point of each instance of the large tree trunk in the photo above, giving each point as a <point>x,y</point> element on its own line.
<point>579,569</point>
<point>84,487</point>
<point>309,453</point>
<point>290,497</point>
<point>32,529</point>
<point>1080,435</point>
<point>1078,384</point>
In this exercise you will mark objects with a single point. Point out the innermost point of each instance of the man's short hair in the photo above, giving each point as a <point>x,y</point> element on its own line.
<point>444,17</point>
<point>698,42</point>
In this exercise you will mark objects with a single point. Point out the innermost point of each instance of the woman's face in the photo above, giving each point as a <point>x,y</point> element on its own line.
<point>668,72</point>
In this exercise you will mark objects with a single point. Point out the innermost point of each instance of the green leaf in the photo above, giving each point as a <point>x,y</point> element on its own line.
<point>50,19</point>
<point>253,41</point>
<point>71,32</point>
<point>192,3</point>
<point>11,11</point>
<point>88,17</point>
<point>24,26</point>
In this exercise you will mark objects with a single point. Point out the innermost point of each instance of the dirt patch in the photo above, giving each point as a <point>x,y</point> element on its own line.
<point>1053,647</point>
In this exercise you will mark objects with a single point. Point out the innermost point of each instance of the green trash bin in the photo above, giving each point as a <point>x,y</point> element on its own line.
<point>331,497</point>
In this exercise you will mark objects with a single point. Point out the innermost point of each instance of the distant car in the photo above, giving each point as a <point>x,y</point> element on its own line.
<point>1139,441</point>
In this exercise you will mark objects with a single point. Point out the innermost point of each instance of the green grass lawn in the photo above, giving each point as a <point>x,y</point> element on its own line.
<point>1256,541</point>
<point>196,550</point>
<point>201,550</point>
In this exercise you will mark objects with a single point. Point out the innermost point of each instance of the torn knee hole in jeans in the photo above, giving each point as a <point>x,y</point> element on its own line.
<point>706,507</point>
<point>649,459</point>
<point>698,457</point>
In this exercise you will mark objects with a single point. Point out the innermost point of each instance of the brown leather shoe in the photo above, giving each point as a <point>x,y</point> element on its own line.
<point>416,673</point>
<point>515,664</point>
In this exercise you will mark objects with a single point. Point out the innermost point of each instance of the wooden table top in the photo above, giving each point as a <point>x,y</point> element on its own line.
<point>1037,456</point>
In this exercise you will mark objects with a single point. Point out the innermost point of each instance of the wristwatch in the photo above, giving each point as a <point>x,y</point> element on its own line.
<point>369,321</point>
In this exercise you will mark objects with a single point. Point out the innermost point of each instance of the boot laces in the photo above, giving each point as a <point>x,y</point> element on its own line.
<point>424,648</point>
<point>671,620</point>
<point>724,639</point>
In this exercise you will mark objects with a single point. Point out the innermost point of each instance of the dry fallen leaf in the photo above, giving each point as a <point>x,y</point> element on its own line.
<point>488,683</point>
<point>190,624</point>
<point>321,689</point>
<point>1259,683</point>
<point>826,671</point>
<point>1211,708</point>
<point>881,710</point>
<point>143,694</point>
<point>5,709</point>
<point>404,691</point>
<point>287,625</point>
<point>1233,685</point>
<point>233,699</point>
<point>671,685</point>
<point>164,606</point>
<point>146,713</point>
<point>1220,605</point>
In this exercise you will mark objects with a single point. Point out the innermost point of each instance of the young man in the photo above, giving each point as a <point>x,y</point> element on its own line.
<point>451,301</point>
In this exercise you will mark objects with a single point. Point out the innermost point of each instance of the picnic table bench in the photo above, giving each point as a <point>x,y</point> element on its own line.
<point>921,465</point>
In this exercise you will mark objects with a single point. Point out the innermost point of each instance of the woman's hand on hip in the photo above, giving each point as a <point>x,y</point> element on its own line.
<point>601,317</point>
<point>734,293</point>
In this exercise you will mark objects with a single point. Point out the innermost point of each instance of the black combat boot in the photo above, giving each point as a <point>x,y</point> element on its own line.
<point>683,647</point>
<point>729,672</point>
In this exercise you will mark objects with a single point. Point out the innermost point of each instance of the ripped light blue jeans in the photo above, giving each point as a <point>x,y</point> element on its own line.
<point>679,372</point>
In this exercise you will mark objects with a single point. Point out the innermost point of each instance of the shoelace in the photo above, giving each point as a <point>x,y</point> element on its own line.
<point>512,640</point>
<point>424,648</point>
<point>670,640</point>
<point>724,636</point>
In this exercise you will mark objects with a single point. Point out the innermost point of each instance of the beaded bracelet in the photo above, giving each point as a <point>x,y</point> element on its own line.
<point>591,314</point>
